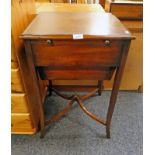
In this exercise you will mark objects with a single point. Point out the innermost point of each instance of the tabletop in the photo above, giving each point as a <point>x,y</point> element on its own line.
<point>57,25</point>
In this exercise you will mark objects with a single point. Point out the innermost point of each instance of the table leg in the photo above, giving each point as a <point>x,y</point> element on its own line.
<point>42,124</point>
<point>117,81</point>
<point>100,87</point>
<point>72,99</point>
<point>112,101</point>
<point>32,86</point>
<point>50,88</point>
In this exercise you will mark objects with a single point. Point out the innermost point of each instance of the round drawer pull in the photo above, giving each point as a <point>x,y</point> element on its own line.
<point>49,41</point>
<point>107,42</point>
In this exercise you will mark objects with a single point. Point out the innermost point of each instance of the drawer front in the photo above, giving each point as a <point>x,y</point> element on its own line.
<point>77,54</point>
<point>127,11</point>
<point>21,124</point>
<point>104,74</point>
<point>18,103</point>
<point>16,83</point>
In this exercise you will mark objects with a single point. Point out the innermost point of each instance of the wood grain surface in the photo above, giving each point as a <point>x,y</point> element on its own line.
<point>70,54</point>
<point>92,25</point>
<point>126,9</point>
<point>19,103</point>
<point>16,82</point>
<point>135,27</point>
<point>22,12</point>
<point>21,124</point>
<point>53,47</point>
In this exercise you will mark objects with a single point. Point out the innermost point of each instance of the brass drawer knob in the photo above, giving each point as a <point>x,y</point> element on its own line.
<point>107,42</point>
<point>49,41</point>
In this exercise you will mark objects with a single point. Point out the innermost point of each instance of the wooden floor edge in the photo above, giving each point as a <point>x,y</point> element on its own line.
<point>24,132</point>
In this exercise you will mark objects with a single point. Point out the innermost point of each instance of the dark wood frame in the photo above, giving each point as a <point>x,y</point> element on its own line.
<point>78,99</point>
<point>62,57</point>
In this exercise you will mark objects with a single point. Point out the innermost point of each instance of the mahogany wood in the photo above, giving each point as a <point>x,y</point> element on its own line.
<point>33,86</point>
<point>63,96</point>
<point>52,52</point>
<point>78,99</point>
<point>66,24</point>
<point>60,114</point>
<point>102,2</point>
<point>134,62</point>
<point>68,53</point>
<point>100,85</point>
<point>102,74</point>
<point>117,80</point>
<point>88,95</point>
<point>93,116</point>
<point>50,87</point>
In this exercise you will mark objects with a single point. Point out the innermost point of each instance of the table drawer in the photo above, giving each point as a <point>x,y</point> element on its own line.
<point>104,74</point>
<point>21,123</point>
<point>79,54</point>
<point>18,103</point>
<point>16,83</point>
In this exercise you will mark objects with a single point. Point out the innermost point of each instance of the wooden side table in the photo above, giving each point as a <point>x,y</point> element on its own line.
<point>76,46</point>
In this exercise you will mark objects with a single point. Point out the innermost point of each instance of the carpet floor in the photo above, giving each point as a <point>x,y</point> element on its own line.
<point>77,134</point>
